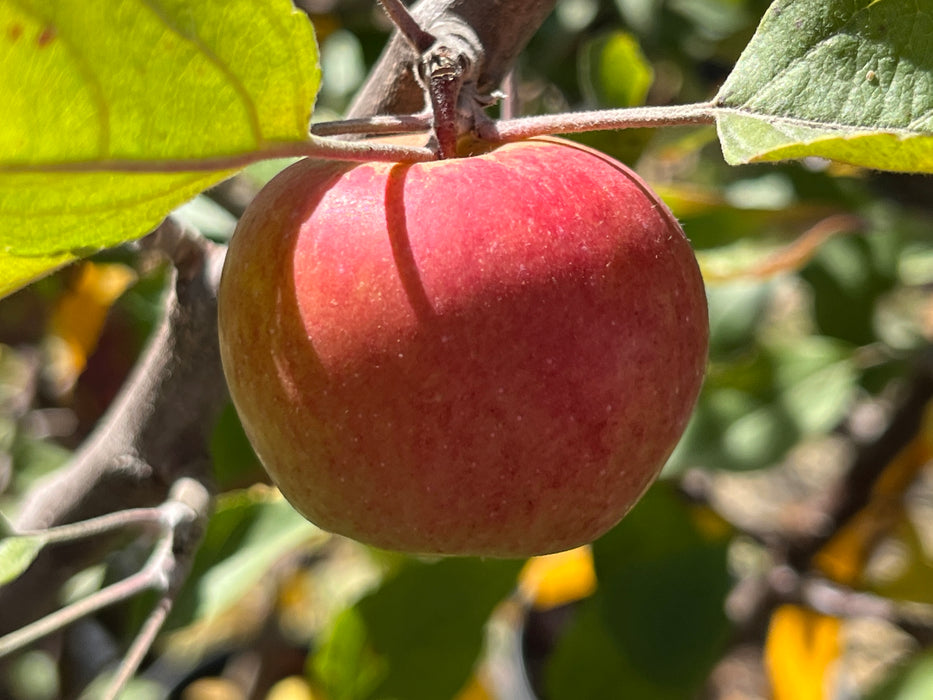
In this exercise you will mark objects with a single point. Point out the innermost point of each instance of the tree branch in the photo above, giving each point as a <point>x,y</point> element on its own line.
<point>502,27</point>
<point>156,431</point>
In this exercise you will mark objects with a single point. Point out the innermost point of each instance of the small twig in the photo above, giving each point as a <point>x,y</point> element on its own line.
<point>150,576</point>
<point>185,512</point>
<point>140,647</point>
<point>181,518</point>
<point>408,26</point>
<point>600,120</point>
<point>795,254</point>
<point>444,74</point>
<point>97,526</point>
<point>361,150</point>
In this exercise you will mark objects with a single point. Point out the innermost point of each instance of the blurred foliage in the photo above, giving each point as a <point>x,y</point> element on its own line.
<point>805,348</point>
<point>404,640</point>
<point>656,623</point>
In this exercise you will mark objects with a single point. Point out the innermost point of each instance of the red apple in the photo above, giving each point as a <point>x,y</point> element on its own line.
<point>490,355</point>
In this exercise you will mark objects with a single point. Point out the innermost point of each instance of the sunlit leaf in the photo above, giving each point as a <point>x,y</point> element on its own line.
<point>613,72</point>
<point>847,80</point>
<point>801,649</point>
<point>346,664</point>
<point>134,85</point>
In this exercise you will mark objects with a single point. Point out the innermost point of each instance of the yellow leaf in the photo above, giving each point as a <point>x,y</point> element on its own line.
<point>557,579</point>
<point>78,318</point>
<point>801,652</point>
<point>844,557</point>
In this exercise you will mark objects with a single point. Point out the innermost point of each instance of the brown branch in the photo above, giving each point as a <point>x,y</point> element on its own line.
<point>501,28</point>
<point>156,431</point>
<point>407,25</point>
<point>793,579</point>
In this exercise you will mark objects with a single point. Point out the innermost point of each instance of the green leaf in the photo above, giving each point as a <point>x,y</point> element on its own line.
<point>234,462</point>
<point>755,407</point>
<point>614,72</point>
<point>849,276</point>
<point>735,312</point>
<point>346,663</point>
<point>133,84</point>
<point>657,623</point>
<point>847,80</point>
<point>17,553</point>
<point>249,531</point>
<point>419,635</point>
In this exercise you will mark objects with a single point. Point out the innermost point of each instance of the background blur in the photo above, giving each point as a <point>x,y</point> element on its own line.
<point>721,584</point>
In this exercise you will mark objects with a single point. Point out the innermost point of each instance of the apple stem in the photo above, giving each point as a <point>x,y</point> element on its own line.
<point>445,75</point>
<point>578,122</point>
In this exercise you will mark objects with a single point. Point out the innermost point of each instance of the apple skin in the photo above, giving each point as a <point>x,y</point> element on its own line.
<point>491,355</point>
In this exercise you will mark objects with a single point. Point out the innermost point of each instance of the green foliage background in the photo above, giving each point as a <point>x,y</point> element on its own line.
<point>798,351</point>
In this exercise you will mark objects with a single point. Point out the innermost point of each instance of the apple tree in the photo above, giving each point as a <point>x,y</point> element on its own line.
<point>784,551</point>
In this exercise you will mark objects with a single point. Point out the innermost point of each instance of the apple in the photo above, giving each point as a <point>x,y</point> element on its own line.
<point>488,355</point>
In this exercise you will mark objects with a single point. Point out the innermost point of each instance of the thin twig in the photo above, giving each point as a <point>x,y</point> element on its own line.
<point>408,26</point>
<point>151,575</point>
<point>96,526</point>
<point>140,646</point>
<point>186,511</point>
<point>792,256</point>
